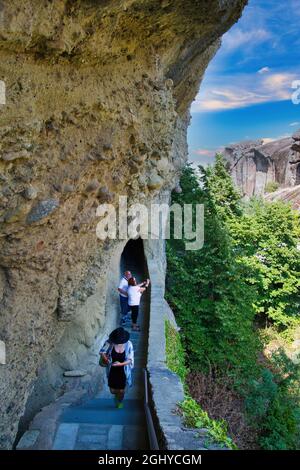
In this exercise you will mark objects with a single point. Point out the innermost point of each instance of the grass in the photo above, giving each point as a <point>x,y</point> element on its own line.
<point>271,187</point>
<point>196,417</point>
<point>175,352</point>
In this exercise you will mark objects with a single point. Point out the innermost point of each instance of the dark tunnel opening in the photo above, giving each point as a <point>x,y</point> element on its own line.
<point>133,259</point>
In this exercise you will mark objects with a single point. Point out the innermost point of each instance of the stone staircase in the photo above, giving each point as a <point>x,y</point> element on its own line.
<point>97,424</point>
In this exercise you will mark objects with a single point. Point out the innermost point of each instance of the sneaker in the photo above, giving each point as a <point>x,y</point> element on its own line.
<point>125,319</point>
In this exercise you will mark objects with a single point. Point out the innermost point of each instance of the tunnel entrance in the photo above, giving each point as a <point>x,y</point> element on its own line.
<point>133,259</point>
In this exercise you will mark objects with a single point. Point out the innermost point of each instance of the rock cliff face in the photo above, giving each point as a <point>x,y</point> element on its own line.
<point>254,164</point>
<point>289,195</point>
<point>97,106</point>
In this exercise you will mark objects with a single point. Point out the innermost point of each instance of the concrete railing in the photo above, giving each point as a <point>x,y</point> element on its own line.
<point>167,389</point>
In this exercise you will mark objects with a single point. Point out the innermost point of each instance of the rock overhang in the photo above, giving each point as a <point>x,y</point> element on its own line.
<point>97,105</point>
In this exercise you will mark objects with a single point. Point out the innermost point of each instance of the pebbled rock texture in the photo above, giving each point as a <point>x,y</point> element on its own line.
<point>97,106</point>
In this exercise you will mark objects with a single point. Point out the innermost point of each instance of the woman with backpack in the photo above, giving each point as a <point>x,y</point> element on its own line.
<point>117,355</point>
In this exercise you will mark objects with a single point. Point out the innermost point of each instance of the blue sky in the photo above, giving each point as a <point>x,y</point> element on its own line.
<point>247,88</point>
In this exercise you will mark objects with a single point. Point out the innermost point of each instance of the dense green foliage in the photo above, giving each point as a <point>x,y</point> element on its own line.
<point>266,238</point>
<point>194,415</point>
<point>246,272</point>
<point>175,352</point>
<point>272,404</point>
<point>271,187</point>
<point>219,297</point>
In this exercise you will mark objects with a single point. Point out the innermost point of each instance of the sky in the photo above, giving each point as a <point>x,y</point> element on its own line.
<point>247,89</point>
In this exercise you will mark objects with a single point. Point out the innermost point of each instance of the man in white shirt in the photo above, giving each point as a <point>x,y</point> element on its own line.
<point>122,289</point>
<point>134,293</point>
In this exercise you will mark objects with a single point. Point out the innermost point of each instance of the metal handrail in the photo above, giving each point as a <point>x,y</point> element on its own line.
<point>150,426</point>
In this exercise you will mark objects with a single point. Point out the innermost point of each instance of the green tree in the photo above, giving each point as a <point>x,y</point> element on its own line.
<point>217,320</point>
<point>272,404</point>
<point>248,268</point>
<point>265,238</point>
<point>220,190</point>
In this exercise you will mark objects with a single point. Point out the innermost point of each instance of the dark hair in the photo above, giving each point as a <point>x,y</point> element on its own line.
<point>131,281</point>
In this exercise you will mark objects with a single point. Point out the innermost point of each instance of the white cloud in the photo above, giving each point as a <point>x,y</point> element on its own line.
<point>224,99</point>
<point>268,140</point>
<point>240,91</point>
<point>204,152</point>
<point>279,80</point>
<point>295,8</point>
<point>237,38</point>
<point>229,99</point>
<point>264,70</point>
<point>279,85</point>
<point>295,124</point>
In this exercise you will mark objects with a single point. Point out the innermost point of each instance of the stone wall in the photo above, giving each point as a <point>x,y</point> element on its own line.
<point>78,348</point>
<point>97,106</point>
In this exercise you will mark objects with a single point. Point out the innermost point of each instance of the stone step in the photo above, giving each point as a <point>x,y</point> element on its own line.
<point>74,436</point>
<point>103,411</point>
<point>66,435</point>
<point>135,438</point>
<point>97,424</point>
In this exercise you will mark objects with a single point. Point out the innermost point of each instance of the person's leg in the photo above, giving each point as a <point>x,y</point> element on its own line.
<point>120,395</point>
<point>128,311</point>
<point>124,308</point>
<point>134,315</point>
<point>114,392</point>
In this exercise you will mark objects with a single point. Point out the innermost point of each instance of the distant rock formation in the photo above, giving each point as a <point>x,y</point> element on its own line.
<point>253,164</point>
<point>291,195</point>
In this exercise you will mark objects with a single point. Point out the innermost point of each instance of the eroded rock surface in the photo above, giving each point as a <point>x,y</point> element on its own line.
<point>254,164</point>
<point>290,195</point>
<point>97,106</point>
